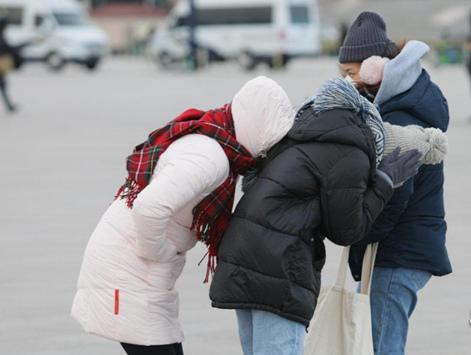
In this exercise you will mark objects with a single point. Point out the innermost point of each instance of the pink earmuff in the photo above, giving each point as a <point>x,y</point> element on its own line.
<point>372,69</point>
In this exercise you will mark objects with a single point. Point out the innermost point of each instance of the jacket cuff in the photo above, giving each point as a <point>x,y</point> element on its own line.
<point>384,185</point>
<point>158,252</point>
<point>381,174</point>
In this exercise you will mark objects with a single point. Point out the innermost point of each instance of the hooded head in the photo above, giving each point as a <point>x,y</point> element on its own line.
<point>341,94</point>
<point>262,114</point>
<point>401,73</point>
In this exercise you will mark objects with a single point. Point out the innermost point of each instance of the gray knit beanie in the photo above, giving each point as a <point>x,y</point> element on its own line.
<point>366,37</point>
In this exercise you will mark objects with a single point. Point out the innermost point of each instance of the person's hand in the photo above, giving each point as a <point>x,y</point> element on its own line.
<point>400,168</point>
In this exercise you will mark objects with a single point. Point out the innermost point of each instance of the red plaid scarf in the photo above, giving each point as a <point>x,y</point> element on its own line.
<point>211,216</point>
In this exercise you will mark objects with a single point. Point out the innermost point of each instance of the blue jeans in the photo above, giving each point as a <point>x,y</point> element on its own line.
<point>265,333</point>
<point>393,299</point>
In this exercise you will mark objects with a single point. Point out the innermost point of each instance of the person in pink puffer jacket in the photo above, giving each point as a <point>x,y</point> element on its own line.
<point>126,288</point>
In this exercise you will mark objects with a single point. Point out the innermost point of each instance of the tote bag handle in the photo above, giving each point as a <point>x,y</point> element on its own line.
<point>368,268</point>
<point>366,272</point>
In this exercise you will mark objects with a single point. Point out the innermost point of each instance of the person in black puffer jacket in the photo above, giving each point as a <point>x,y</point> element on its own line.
<point>319,181</point>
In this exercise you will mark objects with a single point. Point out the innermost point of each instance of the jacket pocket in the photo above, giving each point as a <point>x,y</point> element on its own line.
<point>297,258</point>
<point>163,276</point>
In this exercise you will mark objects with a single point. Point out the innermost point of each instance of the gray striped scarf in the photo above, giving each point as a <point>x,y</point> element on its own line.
<point>340,94</point>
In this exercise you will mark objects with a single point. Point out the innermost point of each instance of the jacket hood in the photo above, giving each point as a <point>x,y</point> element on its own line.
<point>337,126</point>
<point>402,72</point>
<point>406,86</point>
<point>339,114</point>
<point>262,114</point>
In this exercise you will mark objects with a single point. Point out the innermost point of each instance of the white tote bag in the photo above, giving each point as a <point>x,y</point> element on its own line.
<point>342,320</point>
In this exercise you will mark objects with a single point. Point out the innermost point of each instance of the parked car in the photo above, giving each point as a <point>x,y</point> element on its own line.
<point>251,31</point>
<point>61,32</point>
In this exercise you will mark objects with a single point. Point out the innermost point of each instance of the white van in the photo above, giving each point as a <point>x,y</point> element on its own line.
<point>61,30</point>
<point>252,31</point>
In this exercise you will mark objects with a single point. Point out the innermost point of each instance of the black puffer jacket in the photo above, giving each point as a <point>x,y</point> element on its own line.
<point>320,181</point>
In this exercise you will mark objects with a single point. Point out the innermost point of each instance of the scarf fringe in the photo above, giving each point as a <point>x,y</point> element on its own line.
<point>128,191</point>
<point>210,230</point>
<point>211,268</point>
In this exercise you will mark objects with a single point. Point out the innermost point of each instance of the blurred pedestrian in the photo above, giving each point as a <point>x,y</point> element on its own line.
<point>8,56</point>
<point>411,230</point>
<point>192,42</point>
<point>321,181</point>
<point>468,50</point>
<point>180,189</point>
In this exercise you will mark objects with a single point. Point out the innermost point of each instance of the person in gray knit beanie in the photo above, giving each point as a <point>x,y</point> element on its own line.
<point>411,230</point>
<point>365,52</point>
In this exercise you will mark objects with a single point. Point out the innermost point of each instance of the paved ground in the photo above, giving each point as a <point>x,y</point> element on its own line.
<point>62,160</point>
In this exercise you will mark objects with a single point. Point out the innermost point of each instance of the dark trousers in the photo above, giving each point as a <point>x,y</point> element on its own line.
<point>4,94</point>
<point>171,349</point>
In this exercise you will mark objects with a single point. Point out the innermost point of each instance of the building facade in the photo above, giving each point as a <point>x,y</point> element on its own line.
<point>128,22</point>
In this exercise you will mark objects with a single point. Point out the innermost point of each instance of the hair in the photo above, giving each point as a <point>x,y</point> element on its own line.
<point>399,47</point>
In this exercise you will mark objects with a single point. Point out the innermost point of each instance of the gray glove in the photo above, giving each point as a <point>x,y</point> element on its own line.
<point>400,168</point>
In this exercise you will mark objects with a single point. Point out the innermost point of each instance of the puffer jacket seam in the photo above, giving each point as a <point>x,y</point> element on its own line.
<point>301,151</point>
<point>345,156</point>
<point>313,132</point>
<point>348,188</point>
<point>264,226</point>
<point>266,275</point>
<point>303,198</point>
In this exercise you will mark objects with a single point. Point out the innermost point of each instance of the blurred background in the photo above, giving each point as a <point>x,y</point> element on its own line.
<point>83,82</point>
<point>193,33</point>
